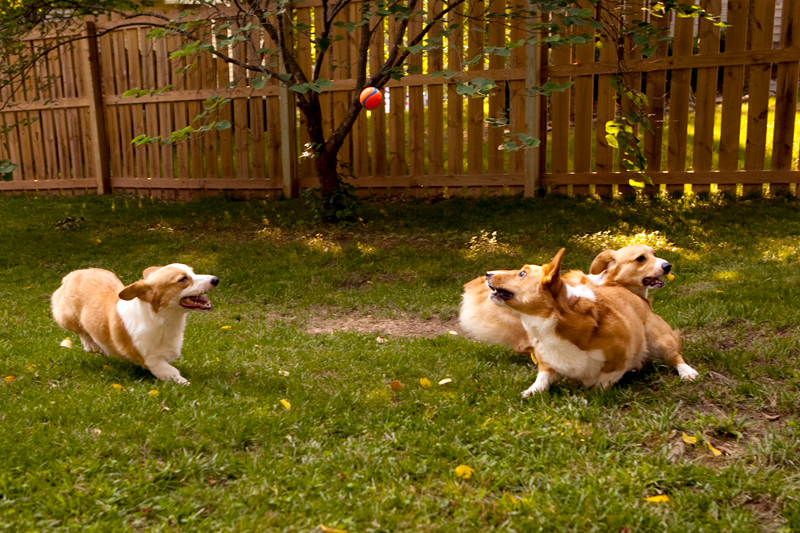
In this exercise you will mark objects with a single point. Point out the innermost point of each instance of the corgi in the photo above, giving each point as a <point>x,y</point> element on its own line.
<point>142,322</point>
<point>634,267</point>
<point>591,334</point>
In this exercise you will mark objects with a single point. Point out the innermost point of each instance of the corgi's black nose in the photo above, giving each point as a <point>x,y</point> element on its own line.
<point>214,281</point>
<point>667,267</point>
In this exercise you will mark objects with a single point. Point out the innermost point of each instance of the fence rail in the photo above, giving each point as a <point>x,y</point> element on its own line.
<point>722,104</point>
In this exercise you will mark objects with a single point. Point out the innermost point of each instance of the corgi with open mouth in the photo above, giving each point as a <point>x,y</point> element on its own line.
<point>634,267</point>
<point>591,334</point>
<point>143,322</point>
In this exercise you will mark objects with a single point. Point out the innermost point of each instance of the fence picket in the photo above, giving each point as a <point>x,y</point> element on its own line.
<point>759,77</point>
<point>786,98</point>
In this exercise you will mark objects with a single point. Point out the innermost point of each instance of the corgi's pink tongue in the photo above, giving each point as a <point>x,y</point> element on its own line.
<point>197,303</point>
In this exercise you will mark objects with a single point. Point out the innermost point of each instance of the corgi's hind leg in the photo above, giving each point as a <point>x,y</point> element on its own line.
<point>90,345</point>
<point>669,348</point>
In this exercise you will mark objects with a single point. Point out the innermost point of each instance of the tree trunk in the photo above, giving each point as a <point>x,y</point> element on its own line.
<point>326,170</point>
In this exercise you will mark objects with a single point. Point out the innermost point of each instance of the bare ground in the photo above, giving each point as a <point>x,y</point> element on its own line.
<point>404,326</point>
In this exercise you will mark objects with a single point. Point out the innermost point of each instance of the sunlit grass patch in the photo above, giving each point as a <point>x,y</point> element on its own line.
<point>612,239</point>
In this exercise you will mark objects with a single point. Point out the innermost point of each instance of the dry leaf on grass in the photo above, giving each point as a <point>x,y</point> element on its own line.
<point>327,529</point>
<point>286,405</point>
<point>657,499</point>
<point>66,343</point>
<point>713,450</point>
<point>445,381</point>
<point>689,440</point>
<point>396,385</point>
<point>425,382</point>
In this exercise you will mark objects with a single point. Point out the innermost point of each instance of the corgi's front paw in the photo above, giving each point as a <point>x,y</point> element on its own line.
<point>542,383</point>
<point>167,372</point>
<point>687,372</point>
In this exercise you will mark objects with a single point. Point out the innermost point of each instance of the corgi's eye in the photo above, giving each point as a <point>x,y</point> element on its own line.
<point>640,259</point>
<point>184,278</point>
<point>522,273</point>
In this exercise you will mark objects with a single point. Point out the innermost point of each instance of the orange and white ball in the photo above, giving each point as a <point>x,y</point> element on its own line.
<point>371,98</point>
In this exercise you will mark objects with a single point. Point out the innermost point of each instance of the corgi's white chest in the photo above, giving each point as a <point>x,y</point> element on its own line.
<point>562,355</point>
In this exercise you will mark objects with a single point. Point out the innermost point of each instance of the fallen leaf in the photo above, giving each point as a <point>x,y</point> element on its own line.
<point>164,405</point>
<point>96,431</point>
<point>425,382</point>
<point>106,367</point>
<point>689,440</point>
<point>720,292</point>
<point>99,241</point>
<point>283,372</point>
<point>713,450</point>
<point>451,332</point>
<point>533,358</point>
<point>153,392</point>
<point>9,379</point>
<point>66,343</point>
<point>718,376</point>
<point>670,276</point>
<point>676,452</point>
<point>256,346</point>
<point>396,385</point>
<point>117,386</point>
<point>225,327</point>
<point>211,480</point>
<point>657,499</point>
<point>380,340</point>
<point>327,529</point>
<point>286,405</point>
<point>463,471</point>
<point>772,417</point>
<point>445,381</point>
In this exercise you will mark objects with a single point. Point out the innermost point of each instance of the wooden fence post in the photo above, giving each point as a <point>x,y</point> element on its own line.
<point>97,120</point>
<point>533,70</point>
<point>288,128</point>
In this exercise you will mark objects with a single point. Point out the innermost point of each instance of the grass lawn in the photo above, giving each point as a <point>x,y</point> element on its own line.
<point>326,318</point>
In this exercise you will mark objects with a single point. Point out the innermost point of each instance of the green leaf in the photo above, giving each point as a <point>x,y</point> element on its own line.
<point>223,125</point>
<point>638,185</point>
<point>612,141</point>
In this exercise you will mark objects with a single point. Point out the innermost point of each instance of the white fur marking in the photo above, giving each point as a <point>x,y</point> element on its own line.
<point>542,383</point>
<point>580,291</point>
<point>687,372</point>
<point>563,356</point>
<point>598,279</point>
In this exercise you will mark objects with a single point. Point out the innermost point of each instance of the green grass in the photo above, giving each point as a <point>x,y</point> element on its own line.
<point>78,453</point>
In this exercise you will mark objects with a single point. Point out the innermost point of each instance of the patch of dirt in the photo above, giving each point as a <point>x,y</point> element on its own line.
<point>737,333</point>
<point>403,326</point>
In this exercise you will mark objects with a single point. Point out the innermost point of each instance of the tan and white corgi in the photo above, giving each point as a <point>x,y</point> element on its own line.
<point>143,322</point>
<point>591,334</point>
<point>634,267</point>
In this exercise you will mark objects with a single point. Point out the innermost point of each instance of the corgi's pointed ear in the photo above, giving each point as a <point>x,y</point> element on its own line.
<point>139,289</point>
<point>149,271</point>
<point>605,260</point>
<point>551,273</point>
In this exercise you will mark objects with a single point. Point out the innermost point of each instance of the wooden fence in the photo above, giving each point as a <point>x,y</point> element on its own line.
<point>427,138</point>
